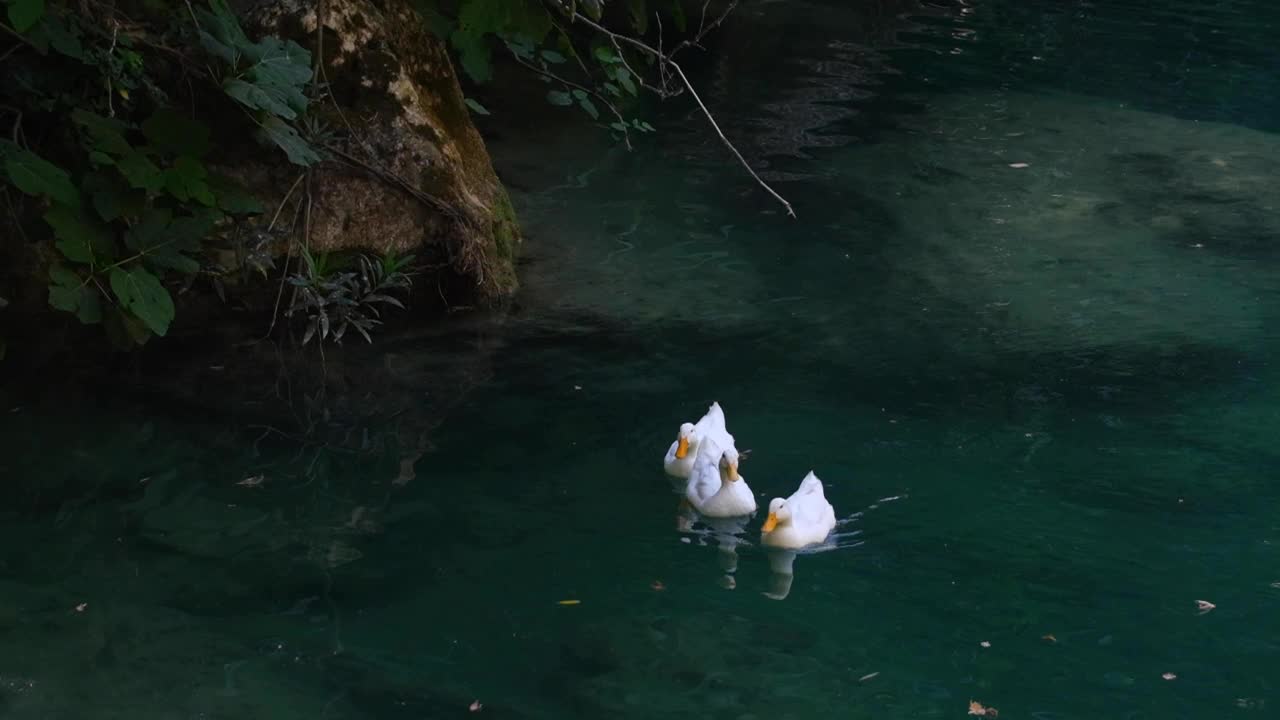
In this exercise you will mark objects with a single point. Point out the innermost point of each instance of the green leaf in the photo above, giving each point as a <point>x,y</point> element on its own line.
<point>283,135</point>
<point>559,97</point>
<point>34,175</point>
<point>107,133</point>
<point>220,32</point>
<point>592,8</point>
<point>623,76</point>
<point>142,294</point>
<point>618,126</point>
<point>677,15</point>
<point>24,14</point>
<point>612,89</point>
<point>176,133</point>
<point>552,57</point>
<point>473,54</point>
<point>647,127</point>
<point>63,38</point>
<point>476,107</point>
<point>232,197</point>
<point>579,94</point>
<point>67,292</point>
<point>185,181</point>
<point>76,235</point>
<point>590,107</point>
<point>639,16</point>
<point>124,330</point>
<point>141,172</point>
<point>110,197</point>
<point>606,55</point>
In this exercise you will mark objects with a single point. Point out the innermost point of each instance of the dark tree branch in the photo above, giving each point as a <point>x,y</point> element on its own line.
<point>666,65</point>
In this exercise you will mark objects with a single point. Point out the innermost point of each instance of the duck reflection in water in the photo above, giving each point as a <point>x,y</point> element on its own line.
<point>718,496</point>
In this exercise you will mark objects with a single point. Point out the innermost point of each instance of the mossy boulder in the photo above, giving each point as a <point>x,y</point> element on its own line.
<point>408,170</point>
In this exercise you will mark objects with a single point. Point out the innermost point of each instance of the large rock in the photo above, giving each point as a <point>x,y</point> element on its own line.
<point>404,136</point>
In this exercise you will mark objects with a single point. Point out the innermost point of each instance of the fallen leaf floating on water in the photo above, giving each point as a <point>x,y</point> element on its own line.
<point>1049,638</point>
<point>867,677</point>
<point>985,644</point>
<point>82,607</point>
<point>1019,166</point>
<point>475,706</point>
<point>976,708</point>
<point>657,586</point>
<point>254,481</point>
<point>1204,606</point>
<point>1169,676</point>
<point>569,602</point>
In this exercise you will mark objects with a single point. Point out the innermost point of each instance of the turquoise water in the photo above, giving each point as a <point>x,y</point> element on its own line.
<point>1043,401</point>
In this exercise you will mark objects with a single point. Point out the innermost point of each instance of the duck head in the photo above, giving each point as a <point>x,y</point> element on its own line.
<point>778,513</point>
<point>685,440</point>
<point>729,466</point>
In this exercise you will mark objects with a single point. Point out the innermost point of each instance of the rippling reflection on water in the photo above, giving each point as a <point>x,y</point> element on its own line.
<point>1024,331</point>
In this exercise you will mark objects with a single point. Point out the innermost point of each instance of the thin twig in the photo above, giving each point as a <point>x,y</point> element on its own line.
<point>275,311</point>
<point>665,60</point>
<point>734,150</point>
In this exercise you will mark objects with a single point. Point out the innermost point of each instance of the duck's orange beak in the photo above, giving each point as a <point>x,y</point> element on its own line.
<point>683,448</point>
<point>733,472</point>
<point>770,523</point>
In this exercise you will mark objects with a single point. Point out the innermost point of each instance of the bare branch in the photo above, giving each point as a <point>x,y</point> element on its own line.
<point>665,60</point>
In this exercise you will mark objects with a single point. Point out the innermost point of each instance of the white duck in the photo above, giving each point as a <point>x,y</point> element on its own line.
<point>715,488</point>
<point>805,518</point>
<point>684,451</point>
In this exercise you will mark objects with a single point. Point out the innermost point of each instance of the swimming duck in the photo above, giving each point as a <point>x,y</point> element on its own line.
<point>715,488</point>
<point>684,451</point>
<point>805,518</point>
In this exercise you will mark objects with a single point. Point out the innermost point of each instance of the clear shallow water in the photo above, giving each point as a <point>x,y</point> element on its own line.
<point>1061,374</point>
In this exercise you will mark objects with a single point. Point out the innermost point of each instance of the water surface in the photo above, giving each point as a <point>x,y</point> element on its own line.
<point>1023,330</point>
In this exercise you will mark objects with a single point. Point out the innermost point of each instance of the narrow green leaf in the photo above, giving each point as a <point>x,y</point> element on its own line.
<point>579,94</point>
<point>34,175</point>
<point>590,107</point>
<point>476,107</point>
<point>606,55</point>
<point>552,57</point>
<point>142,294</point>
<point>623,76</point>
<point>618,126</point>
<point>612,89</point>
<point>24,14</point>
<point>559,97</point>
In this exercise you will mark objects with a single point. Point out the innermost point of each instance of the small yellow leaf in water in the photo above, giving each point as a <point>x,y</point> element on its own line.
<point>1204,606</point>
<point>569,602</point>
<point>976,708</point>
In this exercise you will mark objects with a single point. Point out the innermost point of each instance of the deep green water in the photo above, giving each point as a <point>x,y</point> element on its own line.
<point>1044,400</point>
